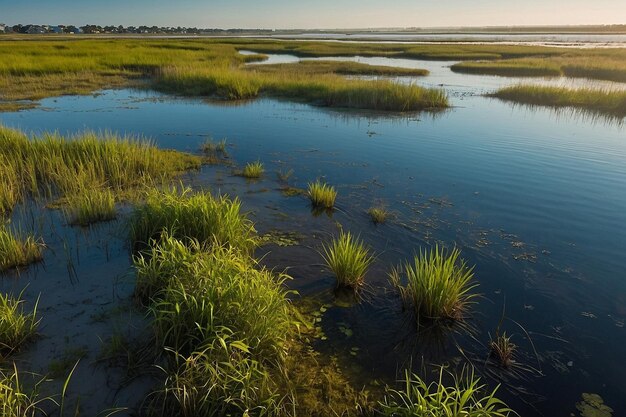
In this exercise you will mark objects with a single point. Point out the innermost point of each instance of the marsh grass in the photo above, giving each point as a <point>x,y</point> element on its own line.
<point>90,206</point>
<point>15,399</point>
<point>18,249</point>
<point>54,166</point>
<point>349,260</point>
<point>597,65</point>
<point>466,396</point>
<point>17,326</point>
<point>214,152</point>
<point>378,214</point>
<point>606,102</point>
<point>438,285</point>
<point>253,170</point>
<point>189,215</point>
<point>502,350</point>
<point>322,195</point>
<point>338,67</point>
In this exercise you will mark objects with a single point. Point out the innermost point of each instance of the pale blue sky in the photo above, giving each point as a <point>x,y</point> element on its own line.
<point>285,14</point>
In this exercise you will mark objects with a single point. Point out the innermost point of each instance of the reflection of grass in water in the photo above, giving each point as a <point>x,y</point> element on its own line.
<point>466,396</point>
<point>17,250</point>
<point>611,103</point>
<point>349,260</point>
<point>322,195</point>
<point>17,326</point>
<point>438,285</point>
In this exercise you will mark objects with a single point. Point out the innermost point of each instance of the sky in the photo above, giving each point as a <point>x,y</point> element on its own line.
<point>318,14</point>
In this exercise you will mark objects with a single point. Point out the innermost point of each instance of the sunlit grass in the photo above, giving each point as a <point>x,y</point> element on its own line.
<point>17,325</point>
<point>18,249</point>
<point>202,216</point>
<point>607,102</point>
<point>466,397</point>
<point>253,170</point>
<point>54,166</point>
<point>90,206</point>
<point>349,260</point>
<point>321,194</point>
<point>339,67</point>
<point>438,285</point>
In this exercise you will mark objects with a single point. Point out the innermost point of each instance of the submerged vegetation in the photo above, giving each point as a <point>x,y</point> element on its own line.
<point>502,350</point>
<point>349,260</point>
<point>378,214</point>
<point>466,397</point>
<point>438,285</point>
<point>17,250</point>
<point>322,195</point>
<point>611,103</point>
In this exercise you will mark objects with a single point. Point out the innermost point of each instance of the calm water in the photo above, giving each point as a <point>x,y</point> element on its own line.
<point>535,199</point>
<point>585,40</point>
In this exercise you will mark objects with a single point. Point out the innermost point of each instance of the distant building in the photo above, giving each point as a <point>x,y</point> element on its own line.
<point>33,29</point>
<point>3,28</point>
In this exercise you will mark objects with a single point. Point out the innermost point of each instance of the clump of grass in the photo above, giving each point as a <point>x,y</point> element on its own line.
<point>322,195</point>
<point>438,285</point>
<point>15,399</point>
<point>510,68</point>
<point>210,294</point>
<point>339,67</point>
<point>90,206</point>
<point>378,214</point>
<point>187,215</point>
<point>16,325</point>
<point>349,260</point>
<point>607,102</point>
<point>55,166</point>
<point>16,250</point>
<point>253,170</point>
<point>214,152</point>
<point>502,350</point>
<point>283,176</point>
<point>466,397</point>
<point>62,366</point>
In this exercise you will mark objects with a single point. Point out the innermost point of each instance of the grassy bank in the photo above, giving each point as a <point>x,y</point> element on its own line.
<point>338,67</point>
<point>601,65</point>
<point>610,103</point>
<point>52,166</point>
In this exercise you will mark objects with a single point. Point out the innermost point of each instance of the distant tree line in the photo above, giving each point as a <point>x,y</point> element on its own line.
<point>96,29</point>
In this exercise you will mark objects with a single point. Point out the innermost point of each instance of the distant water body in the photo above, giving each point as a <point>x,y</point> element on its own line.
<point>606,40</point>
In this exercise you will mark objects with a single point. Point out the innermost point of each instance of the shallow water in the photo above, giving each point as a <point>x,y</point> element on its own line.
<point>535,199</point>
<point>441,76</point>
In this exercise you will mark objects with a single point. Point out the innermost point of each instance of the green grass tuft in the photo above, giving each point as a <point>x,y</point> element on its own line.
<point>90,206</point>
<point>502,350</point>
<point>466,397</point>
<point>253,170</point>
<point>322,195</point>
<point>198,216</point>
<point>349,260</point>
<point>17,251</point>
<point>378,214</point>
<point>438,285</point>
<point>16,325</point>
